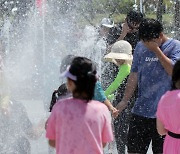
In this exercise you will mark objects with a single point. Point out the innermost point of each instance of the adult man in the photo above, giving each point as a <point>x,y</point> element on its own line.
<point>151,70</point>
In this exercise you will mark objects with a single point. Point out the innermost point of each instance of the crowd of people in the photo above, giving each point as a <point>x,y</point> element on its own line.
<point>140,87</point>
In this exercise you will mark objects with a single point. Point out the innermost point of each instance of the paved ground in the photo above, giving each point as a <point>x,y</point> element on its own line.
<point>36,112</point>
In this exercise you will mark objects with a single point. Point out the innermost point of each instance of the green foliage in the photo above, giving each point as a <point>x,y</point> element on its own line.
<point>94,10</point>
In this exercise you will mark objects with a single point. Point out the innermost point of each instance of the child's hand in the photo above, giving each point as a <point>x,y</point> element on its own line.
<point>114,112</point>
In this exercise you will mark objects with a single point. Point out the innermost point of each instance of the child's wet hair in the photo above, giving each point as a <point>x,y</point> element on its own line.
<point>85,71</point>
<point>176,74</point>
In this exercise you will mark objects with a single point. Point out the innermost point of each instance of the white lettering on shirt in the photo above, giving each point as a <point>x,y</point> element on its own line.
<point>151,59</point>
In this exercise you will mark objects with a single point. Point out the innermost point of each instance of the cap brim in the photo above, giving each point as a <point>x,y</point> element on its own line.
<point>120,56</point>
<point>109,26</point>
<point>64,74</point>
<point>67,74</point>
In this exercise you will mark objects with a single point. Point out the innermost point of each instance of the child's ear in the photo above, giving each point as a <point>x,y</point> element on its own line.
<point>70,85</point>
<point>70,82</point>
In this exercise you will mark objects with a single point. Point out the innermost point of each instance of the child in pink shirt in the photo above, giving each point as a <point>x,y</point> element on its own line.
<point>168,114</point>
<point>79,125</point>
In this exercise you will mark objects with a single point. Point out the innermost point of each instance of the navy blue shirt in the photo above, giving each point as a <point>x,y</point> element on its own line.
<point>153,80</point>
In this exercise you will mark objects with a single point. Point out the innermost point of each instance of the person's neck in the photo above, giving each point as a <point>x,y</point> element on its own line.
<point>177,84</point>
<point>82,96</point>
<point>164,38</point>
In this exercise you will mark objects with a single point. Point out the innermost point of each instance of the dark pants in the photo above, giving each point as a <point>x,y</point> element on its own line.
<point>141,132</point>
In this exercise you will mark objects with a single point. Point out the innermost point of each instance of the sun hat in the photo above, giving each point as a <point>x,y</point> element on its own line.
<point>121,50</point>
<point>107,22</point>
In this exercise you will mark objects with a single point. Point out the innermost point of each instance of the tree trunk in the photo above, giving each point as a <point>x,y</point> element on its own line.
<point>160,10</point>
<point>177,19</point>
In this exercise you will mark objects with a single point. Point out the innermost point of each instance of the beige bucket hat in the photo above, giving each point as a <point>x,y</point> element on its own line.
<point>121,50</point>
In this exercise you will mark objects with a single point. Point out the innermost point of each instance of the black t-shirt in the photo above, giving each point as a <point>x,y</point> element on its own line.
<point>115,33</point>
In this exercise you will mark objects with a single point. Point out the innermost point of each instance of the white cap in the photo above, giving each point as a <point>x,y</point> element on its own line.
<point>107,22</point>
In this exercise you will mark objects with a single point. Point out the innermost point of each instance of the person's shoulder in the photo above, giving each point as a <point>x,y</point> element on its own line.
<point>174,93</point>
<point>139,46</point>
<point>169,97</point>
<point>64,101</point>
<point>166,94</point>
<point>116,29</point>
<point>176,43</point>
<point>99,105</point>
<point>118,26</point>
<point>172,42</point>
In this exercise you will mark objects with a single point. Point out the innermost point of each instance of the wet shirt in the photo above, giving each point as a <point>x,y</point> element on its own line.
<point>124,71</point>
<point>153,80</point>
<point>168,113</point>
<point>99,94</point>
<point>79,127</point>
<point>115,33</point>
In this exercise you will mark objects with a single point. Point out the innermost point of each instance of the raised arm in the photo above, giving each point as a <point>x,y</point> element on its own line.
<point>164,60</point>
<point>122,74</point>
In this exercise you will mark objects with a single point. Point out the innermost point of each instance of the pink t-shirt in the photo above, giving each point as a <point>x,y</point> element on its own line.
<point>79,127</point>
<point>168,112</point>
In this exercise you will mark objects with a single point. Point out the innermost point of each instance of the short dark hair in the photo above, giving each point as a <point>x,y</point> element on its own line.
<point>85,71</point>
<point>150,29</point>
<point>135,16</point>
<point>175,74</point>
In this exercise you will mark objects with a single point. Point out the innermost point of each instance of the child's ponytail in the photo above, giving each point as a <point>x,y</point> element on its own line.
<point>85,71</point>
